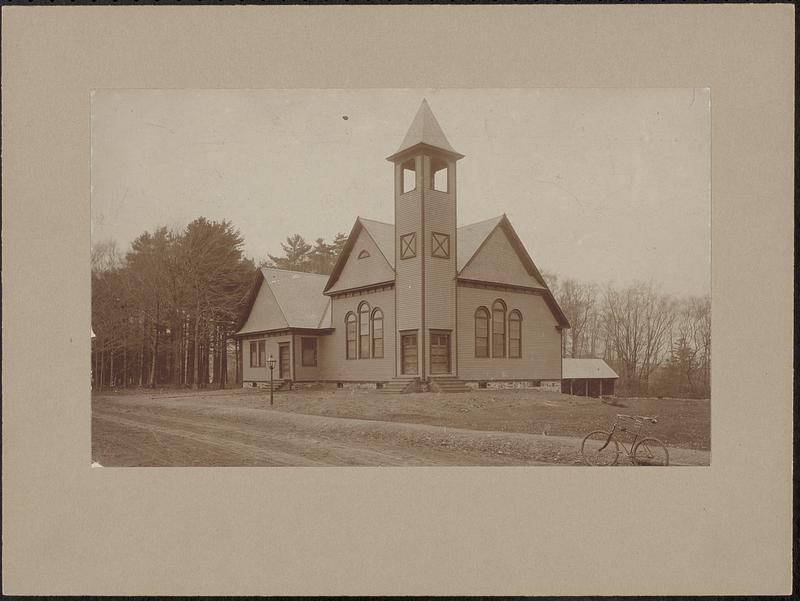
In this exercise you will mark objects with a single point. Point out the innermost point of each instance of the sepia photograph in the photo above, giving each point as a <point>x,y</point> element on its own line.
<point>357,300</point>
<point>401,277</point>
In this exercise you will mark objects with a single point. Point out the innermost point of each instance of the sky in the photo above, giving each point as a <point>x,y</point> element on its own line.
<point>602,185</point>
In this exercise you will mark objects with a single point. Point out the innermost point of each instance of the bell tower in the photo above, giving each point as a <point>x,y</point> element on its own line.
<point>425,250</point>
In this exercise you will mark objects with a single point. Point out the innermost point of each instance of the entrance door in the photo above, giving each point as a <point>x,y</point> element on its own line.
<point>283,361</point>
<point>440,352</point>
<point>408,352</point>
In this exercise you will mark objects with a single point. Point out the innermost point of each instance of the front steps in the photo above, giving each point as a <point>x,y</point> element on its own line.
<point>405,385</point>
<point>402,385</point>
<point>276,385</point>
<point>448,384</point>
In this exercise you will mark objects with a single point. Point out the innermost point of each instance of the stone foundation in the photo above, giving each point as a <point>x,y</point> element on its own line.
<point>551,385</point>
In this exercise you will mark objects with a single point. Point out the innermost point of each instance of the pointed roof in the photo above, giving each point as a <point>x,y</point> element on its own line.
<point>381,233</point>
<point>299,297</point>
<point>425,130</point>
<point>475,236</point>
<point>470,238</point>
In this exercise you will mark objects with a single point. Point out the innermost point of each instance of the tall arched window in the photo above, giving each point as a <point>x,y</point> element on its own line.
<point>363,330</point>
<point>377,334</point>
<point>515,334</point>
<point>498,329</point>
<point>350,334</point>
<point>482,332</point>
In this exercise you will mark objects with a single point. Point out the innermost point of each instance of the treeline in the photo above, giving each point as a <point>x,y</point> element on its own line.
<point>659,345</point>
<point>299,255</point>
<point>164,310</point>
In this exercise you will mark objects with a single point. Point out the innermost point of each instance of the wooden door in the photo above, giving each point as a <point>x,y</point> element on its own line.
<point>283,361</point>
<point>408,352</point>
<point>440,353</point>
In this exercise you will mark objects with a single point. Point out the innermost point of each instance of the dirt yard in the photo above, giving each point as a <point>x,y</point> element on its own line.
<point>363,427</point>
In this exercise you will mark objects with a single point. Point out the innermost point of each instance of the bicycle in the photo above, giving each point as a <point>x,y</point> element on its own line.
<point>602,448</point>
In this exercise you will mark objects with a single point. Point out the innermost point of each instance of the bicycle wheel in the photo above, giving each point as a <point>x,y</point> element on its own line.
<point>597,449</point>
<point>650,451</point>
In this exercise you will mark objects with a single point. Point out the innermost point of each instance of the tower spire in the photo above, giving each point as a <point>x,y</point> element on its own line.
<point>425,130</point>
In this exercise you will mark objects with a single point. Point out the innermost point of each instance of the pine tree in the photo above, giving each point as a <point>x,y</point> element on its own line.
<point>297,254</point>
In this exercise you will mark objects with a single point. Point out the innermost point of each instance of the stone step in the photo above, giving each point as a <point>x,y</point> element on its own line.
<point>276,385</point>
<point>449,384</point>
<point>401,385</point>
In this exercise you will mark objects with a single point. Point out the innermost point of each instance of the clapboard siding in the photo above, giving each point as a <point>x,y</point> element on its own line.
<point>363,272</point>
<point>497,261</point>
<point>261,374</point>
<point>541,341</point>
<point>408,272</point>
<point>332,358</point>
<point>440,284</point>
<point>305,373</point>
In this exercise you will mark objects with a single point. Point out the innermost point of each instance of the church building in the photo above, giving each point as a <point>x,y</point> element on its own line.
<point>421,304</point>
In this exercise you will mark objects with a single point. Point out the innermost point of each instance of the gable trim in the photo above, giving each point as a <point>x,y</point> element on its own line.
<point>245,315</point>
<point>481,245</point>
<point>527,262</point>
<point>285,332</point>
<point>378,246</point>
<point>376,287</point>
<point>344,255</point>
<point>545,293</point>
<point>347,250</point>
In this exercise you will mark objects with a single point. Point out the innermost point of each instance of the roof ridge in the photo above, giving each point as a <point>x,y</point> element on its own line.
<point>293,271</point>
<point>375,221</point>
<point>482,221</point>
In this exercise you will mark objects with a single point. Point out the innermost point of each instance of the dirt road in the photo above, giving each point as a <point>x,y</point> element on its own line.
<point>207,430</point>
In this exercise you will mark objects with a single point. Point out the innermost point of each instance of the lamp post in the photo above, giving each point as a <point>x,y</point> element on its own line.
<point>271,365</point>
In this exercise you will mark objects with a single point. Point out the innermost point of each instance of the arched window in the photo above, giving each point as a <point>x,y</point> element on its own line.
<point>498,329</point>
<point>482,332</point>
<point>515,334</point>
<point>377,334</point>
<point>350,334</point>
<point>363,330</point>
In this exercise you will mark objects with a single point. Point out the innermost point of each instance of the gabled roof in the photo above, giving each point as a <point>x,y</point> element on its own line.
<point>425,129</point>
<point>575,369</point>
<point>470,238</point>
<point>298,294</point>
<point>477,234</point>
<point>381,233</point>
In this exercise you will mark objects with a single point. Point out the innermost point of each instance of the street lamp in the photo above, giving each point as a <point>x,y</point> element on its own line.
<point>271,365</point>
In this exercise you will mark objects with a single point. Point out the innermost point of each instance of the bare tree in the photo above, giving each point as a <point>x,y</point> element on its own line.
<point>638,322</point>
<point>578,300</point>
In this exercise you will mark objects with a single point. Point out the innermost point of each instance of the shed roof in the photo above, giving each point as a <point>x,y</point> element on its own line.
<point>577,369</point>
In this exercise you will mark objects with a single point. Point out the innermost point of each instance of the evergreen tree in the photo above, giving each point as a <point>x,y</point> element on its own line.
<point>297,254</point>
